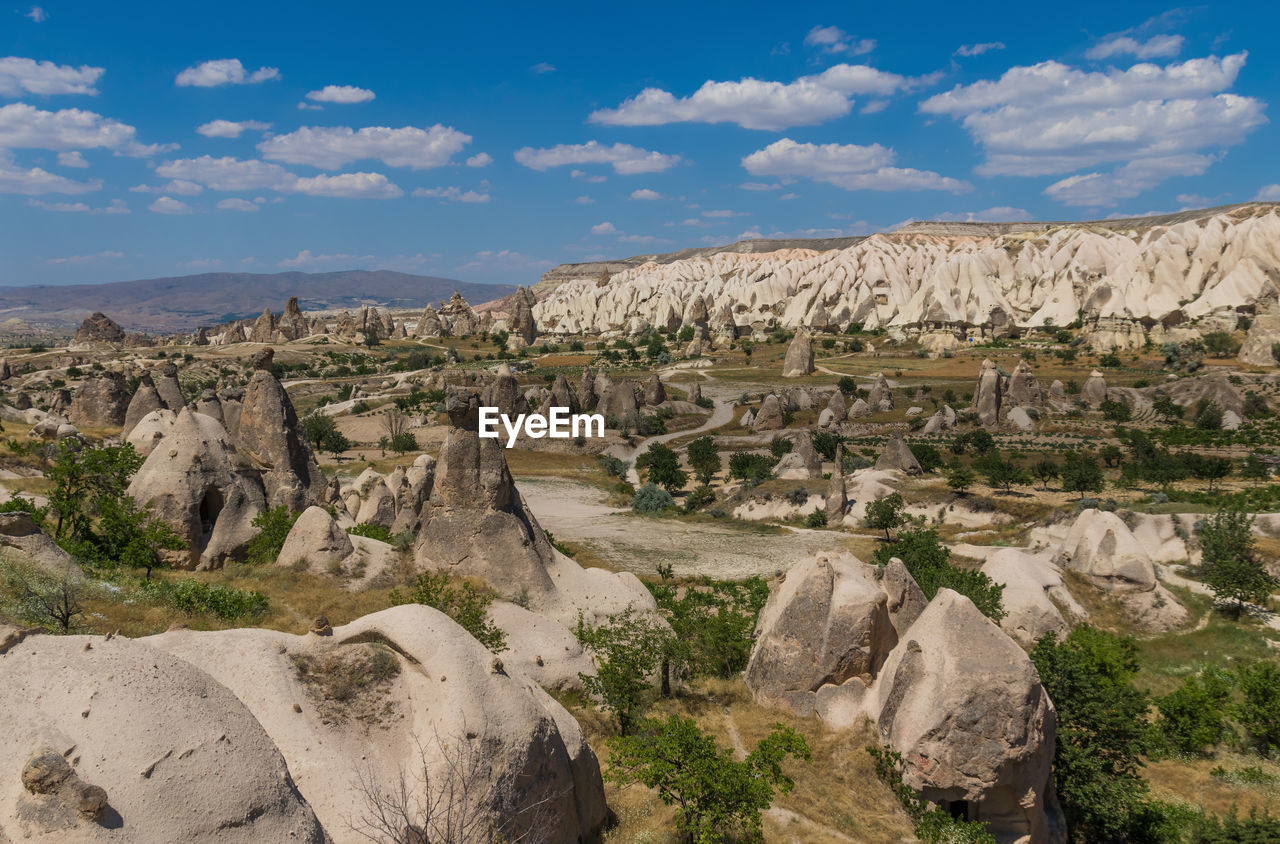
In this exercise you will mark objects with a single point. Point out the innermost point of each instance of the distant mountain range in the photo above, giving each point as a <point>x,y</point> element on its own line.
<point>183,303</point>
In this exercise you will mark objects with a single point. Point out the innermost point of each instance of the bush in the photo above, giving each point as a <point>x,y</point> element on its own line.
<point>1193,716</point>
<point>372,531</point>
<point>816,519</point>
<point>273,526</point>
<point>403,442</point>
<point>924,555</point>
<point>1258,711</point>
<point>929,458</point>
<point>628,648</point>
<point>464,603</point>
<point>613,465</point>
<point>196,596</point>
<point>719,798</point>
<point>825,444</point>
<point>661,466</point>
<point>751,467</point>
<point>779,446</point>
<point>651,499</point>
<point>699,498</point>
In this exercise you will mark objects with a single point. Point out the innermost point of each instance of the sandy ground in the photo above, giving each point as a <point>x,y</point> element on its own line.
<point>576,512</point>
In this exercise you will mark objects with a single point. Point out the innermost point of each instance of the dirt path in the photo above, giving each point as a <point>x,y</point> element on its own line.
<point>720,416</point>
<point>576,512</point>
<point>1169,574</point>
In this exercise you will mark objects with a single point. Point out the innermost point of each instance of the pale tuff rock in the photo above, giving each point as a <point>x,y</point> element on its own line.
<point>193,479</point>
<point>964,706</point>
<point>145,400</point>
<point>169,388</point>
<point>654,392</point>
<point>827,623</point>
<point>268,433</point>
<point>158,733</point>
<point>1023,390</point>
<point>98,329</point>
<point>943,420</point>
<point>799,360</point>
<point>504,393</point>
<point>1263,334</point>
<point>988,394</point>
<point>836,500</point>
<point>264,328</point>
<point>209,405</point>
<point>101,401</point>
<point>458,316</point>
<point>428,324</point>
<point>859,409</point>
<point>906,599</point>
<point>1095,390</point>
<point>880,397</point>
<point>836,405</point>
<point>521,327</point>
<point>1101,546</point>
<point>317,540</point>
<point>695,392</point>
<point>1019,418</point>
<point>618,401</point>
<point>1057,391</point>
<point>769,417</point>
<point>1116,278</point>
<point>897,456</point>
<point>1033,593</point>
<point>541,649</point>
<point>21,536</point>
<point>562,393</point>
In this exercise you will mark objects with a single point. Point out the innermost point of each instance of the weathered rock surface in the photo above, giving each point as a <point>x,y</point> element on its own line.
<point>799,359</point>
<point>24,538</point>
<point>769,416</point>
<point>897,456</point>
<point>100,402</point>
<point>98,329</point>
<point>988,395</point>
<point>269,434</point>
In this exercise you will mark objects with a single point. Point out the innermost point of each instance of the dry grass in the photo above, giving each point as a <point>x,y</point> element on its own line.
<point>1191,781</point>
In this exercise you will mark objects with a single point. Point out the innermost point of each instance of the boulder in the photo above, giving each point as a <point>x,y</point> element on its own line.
<point>1100,546</point>
<point>859,409</point>
<point>169,388</point>
<point>837,406</point>
<point>101,402</point>
<point>1095,390</point>
<point>179,756</point>
<point>988,395</point>
<point>1023,388</point>
<point>769,417</point>
<point>1033,597</point>
<point>562,393</point>
<point>618,401</point>
<point>23,536</point>
<point>906,599</point>
<point>317,540</point>
<point>98,329</point>
<point>964,706</point>
<point>943,420</point>
<point>799,359</point>
<point>145,400</point>
<point>827,623</point>
<point>880,396</point>
<point>1019,418</point>
<point>654,392</point>
<point>897,456</point>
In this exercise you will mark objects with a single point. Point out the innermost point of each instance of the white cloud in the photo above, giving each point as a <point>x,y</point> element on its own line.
<point>847,166</point>
<point>833,39</point>
<point>1053,119</point>
<point>230,128</point>
<point>226,173</point>
<point>182,187</point>
<point>587,177</point>
<point>759,104</point>
<point>724,214</point>
<point>346,186</point>
<point>33,182</point>
<point>967,50</point>
<point>305,258</point>
<point>117,206</point>
<point>604,228</point>
<point>341,94</point>
<point>303,105</point>
<point>24,126</point>
<point>106,255</point>
<point>453,194</point>
<point>874,107</point>
<point>692,222</point>
<point>790,196</point>
<point>585,200</point>
<point>541,68</point>
<point>223,72</point>
<point>72,158</point>
<point>996,214</point>
<point>237,205</point>
<point>201,264</point>
<point>759,186</point>
<point>37,14</point>
<point>645,193</point>
<point>1269,193</point>
<point>330,147</point>
<point>1194,200</point>
<point>1157,46</point>
<point>20,76</point>
<point>480,159</point>
<point>626,159</point>
<point>641,238</point>
<point>169,205</point>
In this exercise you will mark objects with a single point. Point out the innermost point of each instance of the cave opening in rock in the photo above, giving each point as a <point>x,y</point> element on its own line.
<point>210,507</point>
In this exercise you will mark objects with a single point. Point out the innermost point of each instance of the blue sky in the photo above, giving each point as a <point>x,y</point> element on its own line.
<point>488,142</point>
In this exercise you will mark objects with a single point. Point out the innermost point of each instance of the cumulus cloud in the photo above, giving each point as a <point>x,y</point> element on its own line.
<point>1157,46</point>
<point>453,194</point>
<point>587,177</point>
<point>37,14</point>
<point>306,258</point>
<point>231,128</point>
<point>181,187</point>
<point>330,147</point>
<point>35,181</point>
<point>105,255</point>
<point>833,39</point>
<point>211,74</point>
<point>847,166</point>
<point>169,205</point>
<point>604,228</point>
<point>72,158</point>
<point>724,214</point>
<point>967,50</point>
<point>20,76</point>
<point>626,159</point>
<point>24,126</point>
<point>117,206</point>
<point>585,200</point>
<point>480,159</point>
<point>1149,120</point>
<point>758,104</point>
<point>341,94</point>
<point>541,68</point>
<point>237,205</point>
<point>1269,193</point>
<point>504,259</point>
<point>645,194</point>
<point>996,214</point>
<point>642,238</point>
<point>346,186</point>
<point>233,175</point>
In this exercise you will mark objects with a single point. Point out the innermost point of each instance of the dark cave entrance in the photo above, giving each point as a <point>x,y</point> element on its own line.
<point>210,507</point>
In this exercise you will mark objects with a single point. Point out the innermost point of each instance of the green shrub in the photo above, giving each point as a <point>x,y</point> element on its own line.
<point>1193,716</point>
<point>372,531</point>
<point>651,499</point>
<point>273,526</point>
<point>463,602</point>
<point>197,597</point>
<point>699,498</point>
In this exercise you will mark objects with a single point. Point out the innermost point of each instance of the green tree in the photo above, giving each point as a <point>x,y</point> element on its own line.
<point>1000,472</point>
<point>317,426</point>
<point>1193,716</point>
<point>922,552</point>
<point>273,524</point>
<point>704,459</point>
<point>463,602</point>
<point>1081,473</point>
<point>1102,733</point>
<point>1206,467</point>
<point>1166,408</point>
<point>959,477</point>
<point>403,442</point>
<point>1044,471</point>
<point>651,498</point>
<point>886,513</point>
<point>751,467</point>
<point>1230,564</point>
<point>1219,344</point>
<point>661,466</point>
<point>1209,416</point>
<point>85,477</point>
<point>629,648</point>
<point>714,623</point>
<point>1259,708</point>
<point>1252,468</point>
<point>1116,411</point>
<point>717,797</point>
<point>926,455</point>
